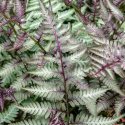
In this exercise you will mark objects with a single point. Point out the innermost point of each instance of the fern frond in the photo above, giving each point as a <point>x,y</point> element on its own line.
<point>74,57</point>
<point>9,115</point>
<point>6,80</point>
<point>115,11</point>
<point>112,84</point>
<point>2,47</point>
<point>103,9</point>
<point>105,101</point>
<point>9,68</point>
<point>20,9</point>
<point>43,109</point>
<point>32,122</point>
<point>119,105</point>
<point>46,73</point>
<point>21,82</point>
<point>86,95</point>
<point>65,14</point>
<point>90,120</point>
<point>92,29</point>
<point>81,85</point>
<point>40,82</point>
<point>19,96</point>
<point>50,92</point>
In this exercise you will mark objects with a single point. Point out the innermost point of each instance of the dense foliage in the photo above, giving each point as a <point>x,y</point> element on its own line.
<point>62,62</point>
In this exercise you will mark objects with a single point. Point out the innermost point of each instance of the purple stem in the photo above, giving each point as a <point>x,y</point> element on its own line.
<point>106,67</point>
<point>108,100</point>
<point>6,23</point>
<point>20,41</point>
<point>94,11</point>
<point>63,73</point>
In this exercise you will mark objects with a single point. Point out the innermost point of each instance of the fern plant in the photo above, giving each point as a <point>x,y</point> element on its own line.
<point>55,73</point>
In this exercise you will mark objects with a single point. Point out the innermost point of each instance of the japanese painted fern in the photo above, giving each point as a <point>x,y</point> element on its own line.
<point>60,73</point>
